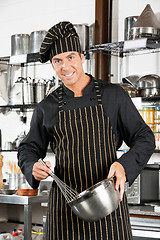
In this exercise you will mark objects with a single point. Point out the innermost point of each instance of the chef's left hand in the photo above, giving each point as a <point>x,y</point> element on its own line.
<point>117,170</point>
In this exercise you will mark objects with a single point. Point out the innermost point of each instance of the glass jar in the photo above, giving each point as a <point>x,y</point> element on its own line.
<point>157,140</point>
<point>157,119</point>
<point>148,114</point>
<point>157,113</point>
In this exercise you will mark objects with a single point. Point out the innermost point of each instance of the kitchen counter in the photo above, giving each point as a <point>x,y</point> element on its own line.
<point>27,201</point>
<point>16,199</point>
<point>152,209</point>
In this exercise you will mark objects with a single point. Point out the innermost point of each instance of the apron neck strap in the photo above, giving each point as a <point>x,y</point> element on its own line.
<point>60,98</point>
<point>99,98</point>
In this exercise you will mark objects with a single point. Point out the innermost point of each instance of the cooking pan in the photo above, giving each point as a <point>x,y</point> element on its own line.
<point>96,202</point>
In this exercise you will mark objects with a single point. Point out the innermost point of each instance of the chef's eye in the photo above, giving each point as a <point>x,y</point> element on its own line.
<point>71,58</point>
<point>57,61</point>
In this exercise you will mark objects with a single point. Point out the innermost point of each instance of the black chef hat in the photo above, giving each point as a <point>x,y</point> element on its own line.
<point>62,37</point>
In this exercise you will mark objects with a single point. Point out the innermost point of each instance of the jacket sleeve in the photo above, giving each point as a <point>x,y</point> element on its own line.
<point>137,135</point>
<point>33,147</point>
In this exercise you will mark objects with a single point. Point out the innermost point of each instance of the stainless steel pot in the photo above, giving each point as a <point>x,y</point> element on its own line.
<point>39,91</point>
<point>147,81</point>
<point>20,44</point>
<point>83,32</point>
<point>128,24</point>
<point>143,32</point>
<point>28,92</point>
<point>16,93</point>
<point>149,85</point>
<point>96,202</point>
<point>36,38</point>
<point>16,180</point>
<point>149,92</point>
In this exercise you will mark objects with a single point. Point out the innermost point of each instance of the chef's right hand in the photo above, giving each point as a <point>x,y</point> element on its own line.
<point>41,172</point>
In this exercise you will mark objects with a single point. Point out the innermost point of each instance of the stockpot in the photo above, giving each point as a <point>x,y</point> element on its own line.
<point>20,44</point>
<point>16,180</point>
<point>36,39</point>
<point>83,32</point>
<point>128,24</point>
<point>149,85</point>
<point>96,202</point>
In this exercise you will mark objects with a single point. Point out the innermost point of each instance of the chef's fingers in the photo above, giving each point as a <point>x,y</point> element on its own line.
<point>48,164</point>
<point>120,184</point>
<point>117,170</point>
<point>40,172</point>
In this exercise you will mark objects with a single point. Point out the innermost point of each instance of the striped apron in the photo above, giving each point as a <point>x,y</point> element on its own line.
<point>85,148</point>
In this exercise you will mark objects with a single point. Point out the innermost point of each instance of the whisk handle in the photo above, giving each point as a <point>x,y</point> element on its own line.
<point>41,161</point>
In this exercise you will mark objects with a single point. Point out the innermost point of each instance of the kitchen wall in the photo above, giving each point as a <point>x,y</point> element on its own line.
<point>20,16</point>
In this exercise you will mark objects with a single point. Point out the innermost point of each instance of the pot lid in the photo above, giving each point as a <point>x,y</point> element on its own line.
<point>147,19</point>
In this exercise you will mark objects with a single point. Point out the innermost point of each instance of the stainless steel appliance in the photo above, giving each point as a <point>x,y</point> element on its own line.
<point>146,186</point>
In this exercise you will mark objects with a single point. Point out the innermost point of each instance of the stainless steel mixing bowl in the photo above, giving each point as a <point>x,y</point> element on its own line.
<point>96,202</point>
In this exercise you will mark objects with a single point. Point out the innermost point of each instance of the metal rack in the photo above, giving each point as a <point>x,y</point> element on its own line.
<point>117,48</point>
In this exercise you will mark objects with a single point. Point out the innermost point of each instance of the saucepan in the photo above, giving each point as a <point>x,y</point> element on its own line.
<point>96,202</point>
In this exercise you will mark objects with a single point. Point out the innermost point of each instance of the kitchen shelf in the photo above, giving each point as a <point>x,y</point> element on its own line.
<point>18,106</point>
<point>29,58</point>
<point>150,99</point>
<point>117,48</point>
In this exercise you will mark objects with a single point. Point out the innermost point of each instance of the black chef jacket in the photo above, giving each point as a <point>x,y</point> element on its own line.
<point>128,126</point>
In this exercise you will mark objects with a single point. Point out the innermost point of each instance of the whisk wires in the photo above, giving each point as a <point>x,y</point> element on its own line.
<point>69,193</point>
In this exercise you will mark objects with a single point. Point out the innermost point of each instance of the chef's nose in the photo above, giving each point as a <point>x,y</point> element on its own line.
<point>65,64</point>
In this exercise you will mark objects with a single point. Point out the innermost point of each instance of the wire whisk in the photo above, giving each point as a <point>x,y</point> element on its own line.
<point>69,193</point>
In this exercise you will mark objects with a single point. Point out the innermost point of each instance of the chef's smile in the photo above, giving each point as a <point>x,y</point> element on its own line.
<point>68,76</point>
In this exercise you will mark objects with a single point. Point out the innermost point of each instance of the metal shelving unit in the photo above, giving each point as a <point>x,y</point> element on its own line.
<point>118,48</point>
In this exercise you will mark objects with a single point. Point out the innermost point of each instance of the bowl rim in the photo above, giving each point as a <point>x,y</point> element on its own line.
<point>91,191</point>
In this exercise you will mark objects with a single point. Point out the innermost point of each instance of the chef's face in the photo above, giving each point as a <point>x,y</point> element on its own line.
<point>69,67</point>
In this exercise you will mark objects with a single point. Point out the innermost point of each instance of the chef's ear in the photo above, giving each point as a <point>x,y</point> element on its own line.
<point>82,57</point>
<point>52,63</point>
